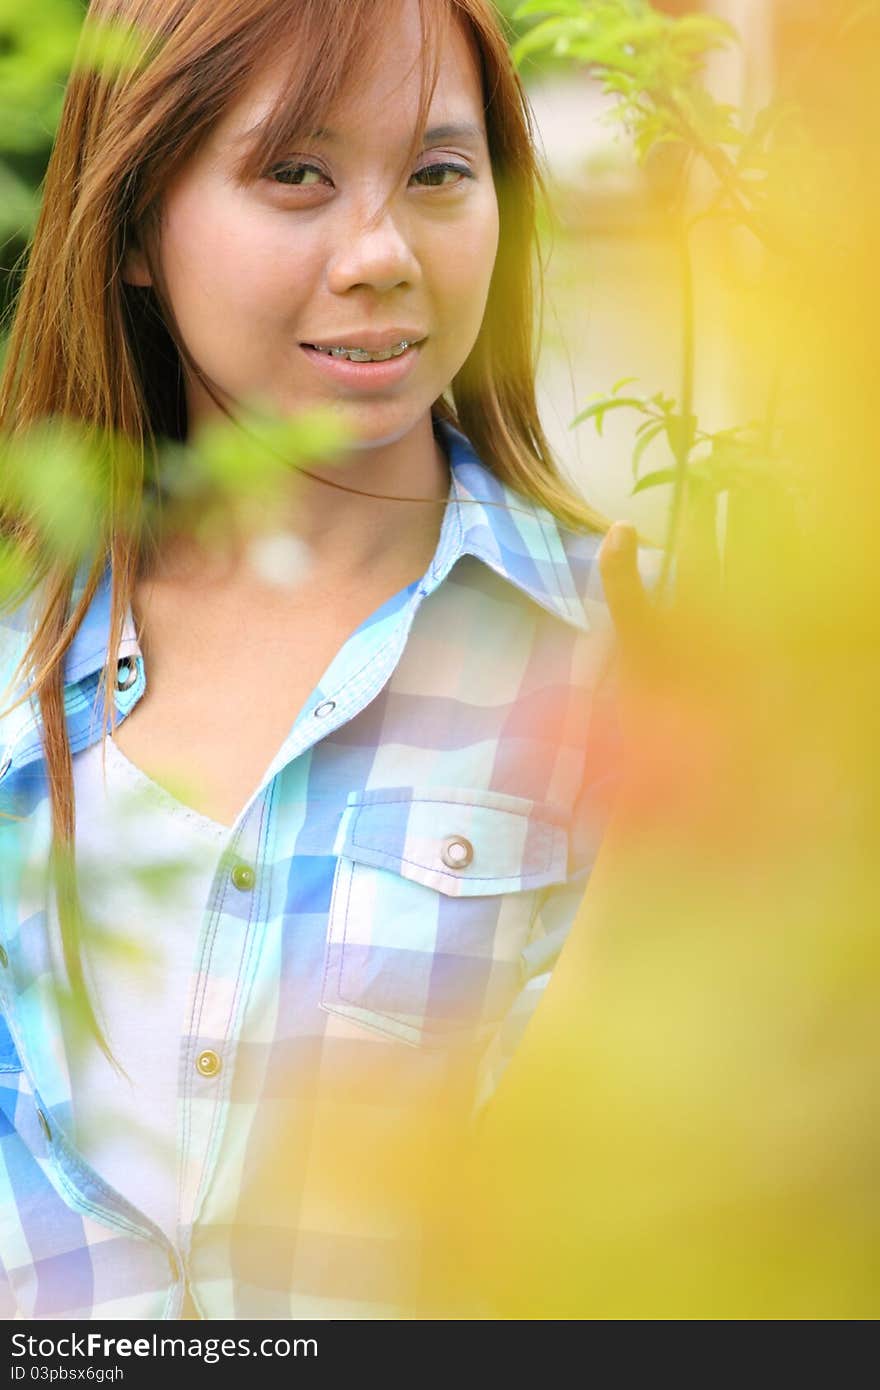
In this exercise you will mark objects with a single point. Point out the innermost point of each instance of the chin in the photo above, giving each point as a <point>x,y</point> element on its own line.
<point>375,425</point>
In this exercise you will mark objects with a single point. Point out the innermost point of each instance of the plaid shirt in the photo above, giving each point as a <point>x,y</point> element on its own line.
<point>391,903</point>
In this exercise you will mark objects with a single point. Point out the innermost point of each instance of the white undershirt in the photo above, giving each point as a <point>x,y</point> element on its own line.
<point>139,965</point>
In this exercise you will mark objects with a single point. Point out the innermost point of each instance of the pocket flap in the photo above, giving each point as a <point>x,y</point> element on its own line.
<point>462,843</point>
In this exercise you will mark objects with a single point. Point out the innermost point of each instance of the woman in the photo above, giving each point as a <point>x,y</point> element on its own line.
<point>394,770</point>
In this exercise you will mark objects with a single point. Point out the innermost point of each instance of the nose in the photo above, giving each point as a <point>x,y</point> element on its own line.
<point>374,251</point>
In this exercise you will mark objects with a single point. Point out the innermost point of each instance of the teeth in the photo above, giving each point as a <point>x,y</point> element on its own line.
<point>361,354</point>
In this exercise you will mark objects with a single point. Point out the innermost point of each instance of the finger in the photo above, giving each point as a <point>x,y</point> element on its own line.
<point>625,593</point>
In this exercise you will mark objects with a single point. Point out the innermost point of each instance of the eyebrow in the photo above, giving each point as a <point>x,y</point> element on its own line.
<point>456,130</point>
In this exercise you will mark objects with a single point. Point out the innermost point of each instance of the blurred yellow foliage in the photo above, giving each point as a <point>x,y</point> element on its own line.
<point>690,1128</point>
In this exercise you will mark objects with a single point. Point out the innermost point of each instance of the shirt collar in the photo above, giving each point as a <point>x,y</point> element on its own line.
<point>88,650</point>
<point>516,537</point>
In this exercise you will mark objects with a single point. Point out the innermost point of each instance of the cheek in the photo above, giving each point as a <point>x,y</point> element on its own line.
<point>490,245</point>
<point>464,263</point>
<point>222,260</point>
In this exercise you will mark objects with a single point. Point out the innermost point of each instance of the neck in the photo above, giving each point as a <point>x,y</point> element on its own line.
<point>372,509</point>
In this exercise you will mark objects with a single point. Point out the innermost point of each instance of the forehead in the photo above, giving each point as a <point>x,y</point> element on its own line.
<point>380,104</point>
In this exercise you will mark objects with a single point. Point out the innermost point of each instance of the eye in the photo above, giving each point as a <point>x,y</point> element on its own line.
<point>444,168</point>
<point>294,175</point>
<point>288,174</point>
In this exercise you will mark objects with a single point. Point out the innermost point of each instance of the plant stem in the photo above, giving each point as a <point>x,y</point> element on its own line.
<point>682,446</point>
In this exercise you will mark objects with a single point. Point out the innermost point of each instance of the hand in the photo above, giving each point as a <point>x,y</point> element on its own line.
<point>679,691</point>
<point>627,597</point>
<point>657,687</point>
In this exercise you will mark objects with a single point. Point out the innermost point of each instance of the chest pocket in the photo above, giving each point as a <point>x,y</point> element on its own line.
<point>433,901</point>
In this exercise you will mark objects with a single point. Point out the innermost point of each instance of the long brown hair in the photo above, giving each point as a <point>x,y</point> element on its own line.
<point>85,345</point>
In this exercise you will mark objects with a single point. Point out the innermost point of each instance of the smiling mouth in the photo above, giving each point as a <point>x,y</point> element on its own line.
<point>362,354</point>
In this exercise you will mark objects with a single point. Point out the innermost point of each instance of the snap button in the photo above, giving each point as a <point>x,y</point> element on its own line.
<point>326,707</point>
<point>457,852</point>
<point>4,959</point>
<point>243,877</point>
<point>126,673</point>
<point>208,1063</point>
<point>44,1126</point>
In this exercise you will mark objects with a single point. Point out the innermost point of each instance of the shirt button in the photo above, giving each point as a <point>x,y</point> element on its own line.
<point>326,707</point>
<point>126,673</point>
<point>44,1126</point>
<point>243,877</point>
<point>208,1063</point>
<point>457,852</point>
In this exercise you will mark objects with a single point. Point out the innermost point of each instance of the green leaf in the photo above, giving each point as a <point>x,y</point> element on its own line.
<point>657,479</point>
<point>598,410</point>
<point>56,475</point>
<point>546,35</point>
<point>531,7</point>
<point>649,138</point>
<point>112,47</point>
<point>647,424</point>
<point>14,569</point>
<point>276,446</point>
<point>38,42</point>
<point>651,432</point>
<point>680,432</point>
<point>624,380</point>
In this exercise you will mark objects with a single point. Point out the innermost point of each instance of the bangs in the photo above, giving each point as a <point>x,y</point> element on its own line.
<point>329,53</point>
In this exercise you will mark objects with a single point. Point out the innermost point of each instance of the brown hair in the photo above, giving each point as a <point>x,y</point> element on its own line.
<point>85,345</point>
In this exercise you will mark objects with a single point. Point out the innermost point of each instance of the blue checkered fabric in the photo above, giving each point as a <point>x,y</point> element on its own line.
<point>419,846</point>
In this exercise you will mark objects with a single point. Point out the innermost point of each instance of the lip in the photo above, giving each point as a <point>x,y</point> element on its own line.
<point>379,340</point>
<point>365,376</point>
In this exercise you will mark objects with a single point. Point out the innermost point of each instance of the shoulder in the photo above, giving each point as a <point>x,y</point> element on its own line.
<point>540,556</point>
<point>564,571</point>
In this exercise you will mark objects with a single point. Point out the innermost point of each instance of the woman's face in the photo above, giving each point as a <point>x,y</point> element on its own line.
<point>303,256</point>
